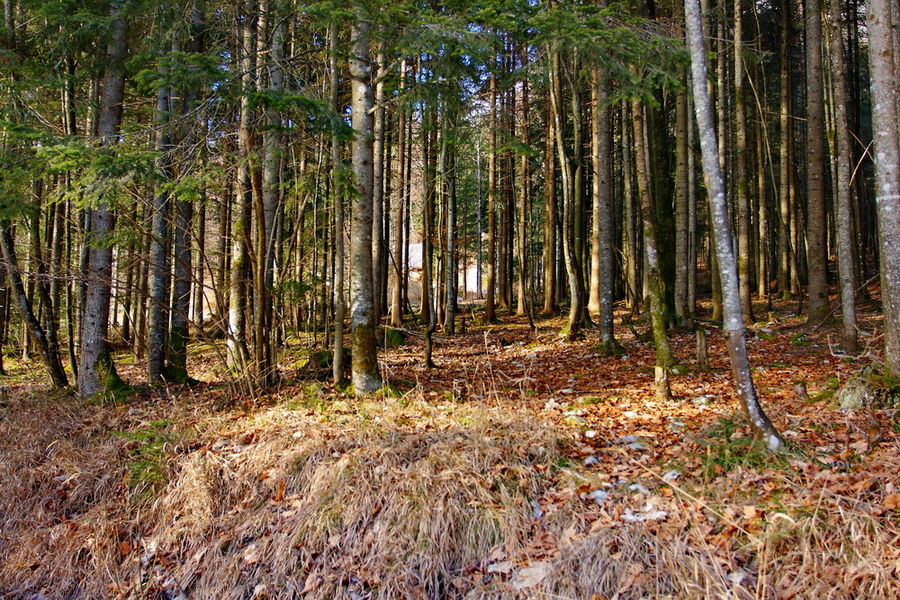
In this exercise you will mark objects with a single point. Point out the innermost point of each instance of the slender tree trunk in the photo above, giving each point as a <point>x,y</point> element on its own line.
<point>879,20</point>
<point>741,183</point>
<point>158,317</point>
<point>362,318</point>
<point>785,160</point>
<point>549,256</point>
<point>715,185</point>
<point>396,261</point>
<point>664,357</point>
<point>816,256</point>
<point>378,195</point>
<point>490,314</point>
<point>338,202</point>
<point>843,200</point>
<point>682,257</point>
<point>238,356</point>
<point>569,183</point>
<point>603,234</point>
<point>524,196</point>
<point>49,356</point>
<point>96,371</point>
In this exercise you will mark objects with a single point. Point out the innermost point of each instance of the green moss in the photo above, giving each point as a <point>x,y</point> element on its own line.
<point>726,452</point>
<point>145,468</point>
<point>114,390</point>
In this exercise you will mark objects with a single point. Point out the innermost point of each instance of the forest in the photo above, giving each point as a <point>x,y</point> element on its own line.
<point>464,299</point>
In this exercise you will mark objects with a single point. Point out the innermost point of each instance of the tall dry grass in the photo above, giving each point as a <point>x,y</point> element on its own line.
<point>382,500</point>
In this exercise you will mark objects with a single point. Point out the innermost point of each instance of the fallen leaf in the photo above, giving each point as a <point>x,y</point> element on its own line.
<point>530,577</point>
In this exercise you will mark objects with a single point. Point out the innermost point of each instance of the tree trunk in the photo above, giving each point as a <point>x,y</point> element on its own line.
<point>715,185</point>
<point>657,307</point>
<point>378,176</point>
<point>49,356</point>
<point>490,314</point>
<point>741,183</point>
<point>96,370</point>
<point>603,229</point>
<point>362,318</point>
<point>549,255</point>
<point>879,19</point>
<point>337,363</point>
<point>238,356</point>
<point>158,317</point>
<point>843,200</point>
<point>816,256</point>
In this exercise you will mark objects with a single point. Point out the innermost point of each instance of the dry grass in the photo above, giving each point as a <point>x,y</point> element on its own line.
<point>389,499</point>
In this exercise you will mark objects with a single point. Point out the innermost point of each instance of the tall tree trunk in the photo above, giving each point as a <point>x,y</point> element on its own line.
<point>816,256</point>
<point>49,356</point>
<point>549,256</point>
<point>337,363</point>
<point>843,200</point>
<point>785,249</point>
<point>741,183</point>
<point>158,317</point>
<point>524,196</point>
<point>664,357</point>
<point>97,372</point>
<point>238,356</point>
<point>490,314</point>
<point>603,230</point>
<point>396,261</point>
<point>378,195</point>
<point>879,19</point>
<point>715,185</point>
<point>362,318</point>
<point>569,181</point>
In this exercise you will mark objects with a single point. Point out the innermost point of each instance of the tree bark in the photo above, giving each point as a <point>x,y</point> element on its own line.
<point>49,356</point>
<point>879,19</point>
<point>96,370</point>
<point>715,185</point>
<point>664,357</point>
<point>362,318</point>
<point>816,256</point>
<point>843,199</point>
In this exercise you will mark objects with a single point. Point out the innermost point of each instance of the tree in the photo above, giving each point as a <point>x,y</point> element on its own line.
<point>362,310</point>
<point>715,185</point>
<point>97,373</point>
<point>817,280</point>
<point>880,19</point>
<point>843,216</point>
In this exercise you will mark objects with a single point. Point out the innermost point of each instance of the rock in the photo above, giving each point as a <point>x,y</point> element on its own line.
<point>589,400</point>
<point>504,567</point>
<point>598,496</point>
<point>647,515</point>
<point>671,476</point>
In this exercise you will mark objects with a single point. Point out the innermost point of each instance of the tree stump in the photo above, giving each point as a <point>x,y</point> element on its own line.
<point>702,355</point>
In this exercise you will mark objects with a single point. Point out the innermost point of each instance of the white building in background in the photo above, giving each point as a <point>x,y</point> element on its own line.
<point>467,280</point>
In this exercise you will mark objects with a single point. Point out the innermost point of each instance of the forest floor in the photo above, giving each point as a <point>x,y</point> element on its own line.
<point>521,466</point>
